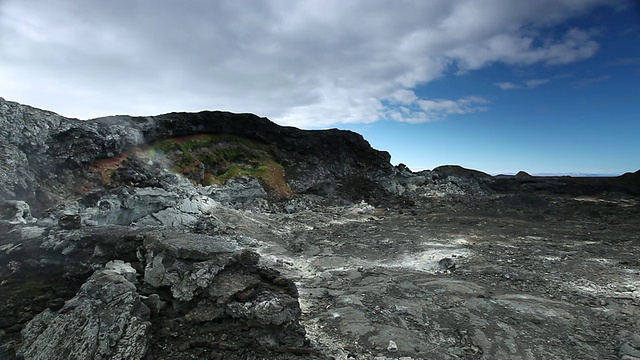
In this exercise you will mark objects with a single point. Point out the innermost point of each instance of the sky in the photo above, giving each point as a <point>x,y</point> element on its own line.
<point>543,86</point>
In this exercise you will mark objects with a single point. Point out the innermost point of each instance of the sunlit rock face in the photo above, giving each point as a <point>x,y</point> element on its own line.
<point>225,236</point>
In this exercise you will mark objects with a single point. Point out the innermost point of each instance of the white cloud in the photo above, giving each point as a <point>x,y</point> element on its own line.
<point>507,85</point>
<point>529,84</point>
<point>304,63</point>
<point>443,106</point>
<point>536,82</point>
<point>515,49</point>
<point>425,110</point>
<point>404,96</point>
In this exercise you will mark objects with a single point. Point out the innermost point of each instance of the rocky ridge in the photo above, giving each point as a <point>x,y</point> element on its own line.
<point>45,155</point>
<point>162,237</point>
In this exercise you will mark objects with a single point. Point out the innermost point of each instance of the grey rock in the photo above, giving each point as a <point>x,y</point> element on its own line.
<point>629,357</point>
<point>447,264</point>
<point>170,218</point>
<point>15,212</point>
<point>392,347</point>
<point>106,319</point>
<point>28,232</point>
<point>399,309</point>
<point>191,246</point>
<point>22,128</point>
<point>154,303</point>
<point>137,203</point>
<point>198,205</point>
<point>290,208</point>
<point>242,189</point>
<point>266,309</point>
<point>186,262</point>
<point>628,350</point>
<point>124,206</point>
<point>183,277</point>
<point>146,207</point>
<point>405,182</point>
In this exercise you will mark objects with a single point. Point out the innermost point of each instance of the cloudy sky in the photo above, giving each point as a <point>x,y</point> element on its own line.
<point>546,86</point>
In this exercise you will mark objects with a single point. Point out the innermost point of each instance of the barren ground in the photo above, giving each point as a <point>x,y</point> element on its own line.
<point>535,277</point>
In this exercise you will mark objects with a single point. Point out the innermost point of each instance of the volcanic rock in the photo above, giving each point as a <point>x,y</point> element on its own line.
<point>106,319</point>
<point>219,235</point>
<point>45,157</point>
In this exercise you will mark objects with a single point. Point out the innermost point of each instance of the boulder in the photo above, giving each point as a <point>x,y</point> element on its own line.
<point>15,212</point>
<point>186,262</point>
<point>242,189</point>
<point>105,320</point>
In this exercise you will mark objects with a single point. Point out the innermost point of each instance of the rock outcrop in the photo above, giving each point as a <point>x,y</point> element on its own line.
<point>45,158</point>
<point>168,284</point>
<point>105,320</point>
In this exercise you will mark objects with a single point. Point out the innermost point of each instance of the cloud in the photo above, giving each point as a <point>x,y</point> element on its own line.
<point>424,110</point>
<point>536,82</point>
<point>586,82</point>
<point>309,63</point>
<point>507,85</point>
<point>529,84</point>
<point>442,107</point>
<point>514,49</point>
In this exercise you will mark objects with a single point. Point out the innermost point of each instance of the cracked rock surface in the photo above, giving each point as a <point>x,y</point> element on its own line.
<point>546,282</point>
<point>106,319</point>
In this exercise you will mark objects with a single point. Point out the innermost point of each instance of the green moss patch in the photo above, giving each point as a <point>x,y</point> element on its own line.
<point>211,160</point>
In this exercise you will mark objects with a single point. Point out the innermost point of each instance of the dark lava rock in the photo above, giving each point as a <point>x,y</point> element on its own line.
<point>523,176</point>
<point>248,257</point>
<point>45,157</point>
<point>458,171</point>
<point>69,222</point>
<point>447,264</point>
<point>197,289</point>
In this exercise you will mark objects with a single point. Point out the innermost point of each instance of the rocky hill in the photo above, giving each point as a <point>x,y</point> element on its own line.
<point>215,235</point>
<point>46,158</point>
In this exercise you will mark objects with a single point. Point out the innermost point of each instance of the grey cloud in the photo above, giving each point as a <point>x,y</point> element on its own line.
<point>305,63</point>
<point>575,45</point>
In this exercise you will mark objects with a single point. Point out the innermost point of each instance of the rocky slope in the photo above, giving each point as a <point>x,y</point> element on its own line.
<point>121,231</point>
<point>224,236</point>
<point>45,157</point>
